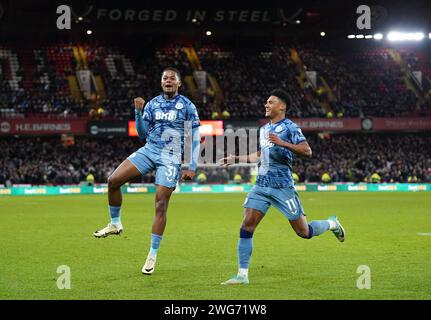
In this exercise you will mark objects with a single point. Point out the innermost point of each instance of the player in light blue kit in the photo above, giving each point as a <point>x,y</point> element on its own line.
<point>163,123</point>
<point>278,140</point>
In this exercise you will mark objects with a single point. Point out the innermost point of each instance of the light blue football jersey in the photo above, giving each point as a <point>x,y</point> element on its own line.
<point>165,119</point>
<point>275,166</point>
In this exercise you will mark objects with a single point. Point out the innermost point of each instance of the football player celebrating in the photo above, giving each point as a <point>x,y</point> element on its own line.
<point>279,140</point>
<point>162,123</point>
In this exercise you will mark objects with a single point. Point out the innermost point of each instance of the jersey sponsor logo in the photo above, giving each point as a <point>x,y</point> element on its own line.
<point>265,143</point>
<point>179,106</point>
<point>170,116</point>
<point>263,140</point>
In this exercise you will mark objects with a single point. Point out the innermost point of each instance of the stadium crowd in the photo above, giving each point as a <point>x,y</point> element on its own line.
<point>354,158</point>
<point>137,76</point>
<point>346,158</point>
<point>363,82</point>
<point>367,82</point>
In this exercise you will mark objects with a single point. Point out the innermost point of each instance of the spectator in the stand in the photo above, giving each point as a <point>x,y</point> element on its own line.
<point>237,178</point>
<point>90,179</point>
<point>201,178</point>
<point>364,82</point>
<point>326,178</point>
<point>395,157</point>
<point>375,178</point>
<point>412,179</point>
<point>224,176</point>
<point>295,177</point>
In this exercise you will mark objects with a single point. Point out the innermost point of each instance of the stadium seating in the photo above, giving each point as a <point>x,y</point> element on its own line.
<point>367,81</point>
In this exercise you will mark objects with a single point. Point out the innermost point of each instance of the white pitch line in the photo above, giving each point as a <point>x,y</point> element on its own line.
<point>423,234</point>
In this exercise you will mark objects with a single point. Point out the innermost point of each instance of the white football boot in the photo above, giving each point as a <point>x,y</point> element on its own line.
<point>238,279</point>
<point>339,231</point>
<point>109,230</point>
<point>149,265</point>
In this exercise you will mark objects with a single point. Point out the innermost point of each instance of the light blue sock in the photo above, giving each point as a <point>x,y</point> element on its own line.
<point>245,248</point>
<point>115,214</point>
<point>319,226</point>
<point>155,243</point>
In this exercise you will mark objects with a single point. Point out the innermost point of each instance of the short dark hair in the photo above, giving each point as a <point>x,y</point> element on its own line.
<point>172,69</point>
<point>283,96</point>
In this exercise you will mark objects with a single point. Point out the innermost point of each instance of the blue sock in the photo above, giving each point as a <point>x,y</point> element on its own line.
<point>115,214</point>
<point>155,243</point>
<point>318,227</point>
<point>245,247</point>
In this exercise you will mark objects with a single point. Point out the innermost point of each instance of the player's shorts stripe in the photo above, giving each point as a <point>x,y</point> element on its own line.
<point>298,205</point>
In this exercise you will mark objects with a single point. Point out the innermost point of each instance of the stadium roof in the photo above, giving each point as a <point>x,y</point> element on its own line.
<point>107,17</point>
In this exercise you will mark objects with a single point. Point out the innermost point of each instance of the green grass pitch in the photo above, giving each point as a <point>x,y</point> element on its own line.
<point>198,251</point>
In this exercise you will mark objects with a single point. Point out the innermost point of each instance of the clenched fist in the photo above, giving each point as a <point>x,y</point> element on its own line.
<point>139,104</point>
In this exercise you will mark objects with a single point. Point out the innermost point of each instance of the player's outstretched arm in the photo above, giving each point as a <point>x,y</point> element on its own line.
<point>302,148</point>
<point>248,158</point>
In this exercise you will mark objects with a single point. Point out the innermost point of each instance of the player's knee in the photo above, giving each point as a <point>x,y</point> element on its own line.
<point>113,182</point>
<point>303,234</point>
